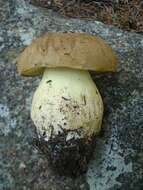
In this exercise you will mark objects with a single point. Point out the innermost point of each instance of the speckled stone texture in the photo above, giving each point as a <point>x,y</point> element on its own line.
<point>118,157</point>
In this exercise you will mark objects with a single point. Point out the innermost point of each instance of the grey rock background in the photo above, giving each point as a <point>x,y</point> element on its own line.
<point>118,158</point>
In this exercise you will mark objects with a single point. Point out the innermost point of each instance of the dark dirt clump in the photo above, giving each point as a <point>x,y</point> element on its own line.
<point>67,157</point>
<point>125,14</point>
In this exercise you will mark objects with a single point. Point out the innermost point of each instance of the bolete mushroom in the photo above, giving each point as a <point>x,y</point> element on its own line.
<point>67,108</point>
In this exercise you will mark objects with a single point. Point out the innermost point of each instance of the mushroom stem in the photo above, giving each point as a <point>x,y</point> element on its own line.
<point>67,100</point>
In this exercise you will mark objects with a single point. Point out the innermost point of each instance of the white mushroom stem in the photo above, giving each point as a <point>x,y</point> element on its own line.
<point>67,99</point>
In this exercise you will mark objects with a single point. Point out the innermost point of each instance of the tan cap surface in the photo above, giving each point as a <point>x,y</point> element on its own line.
<point>71,50</point>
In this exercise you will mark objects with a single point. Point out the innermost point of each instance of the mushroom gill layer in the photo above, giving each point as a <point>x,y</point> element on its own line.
<point>67,100</point>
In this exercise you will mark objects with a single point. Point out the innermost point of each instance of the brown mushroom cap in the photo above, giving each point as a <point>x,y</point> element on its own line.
<point>71,50</point>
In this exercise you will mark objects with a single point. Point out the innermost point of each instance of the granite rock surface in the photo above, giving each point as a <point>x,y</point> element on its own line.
<point>118,157</point>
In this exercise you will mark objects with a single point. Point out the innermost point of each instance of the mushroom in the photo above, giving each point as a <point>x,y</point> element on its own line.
<point>67,108</point>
